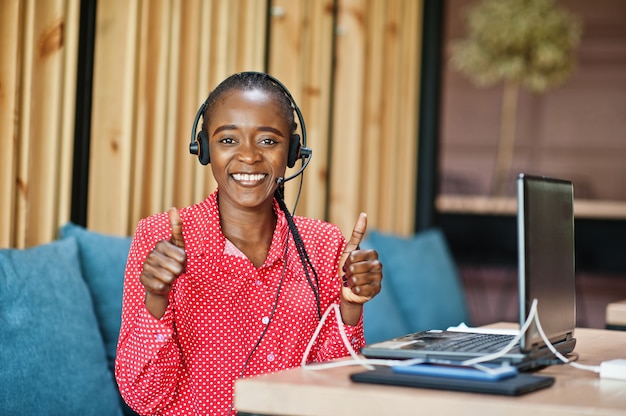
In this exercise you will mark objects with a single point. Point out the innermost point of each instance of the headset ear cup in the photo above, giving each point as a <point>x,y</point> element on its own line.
<point>203,155</point>
<point>294,150</point>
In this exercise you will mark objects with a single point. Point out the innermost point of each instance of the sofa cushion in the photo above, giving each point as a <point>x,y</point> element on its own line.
<point>421,282</point>
<point>103,260</point>
<point>382,318</point>
<point>52,354</point>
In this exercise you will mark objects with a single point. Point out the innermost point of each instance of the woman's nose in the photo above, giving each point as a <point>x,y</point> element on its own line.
<point>249,152</point>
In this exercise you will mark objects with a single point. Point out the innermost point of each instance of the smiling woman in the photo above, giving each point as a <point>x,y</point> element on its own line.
<point>236,285</point>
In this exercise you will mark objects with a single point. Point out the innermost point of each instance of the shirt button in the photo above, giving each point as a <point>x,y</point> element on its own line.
<point>265,320</point>
<point>258,283</point>
<point>160,337</point>
<point>270,357</point>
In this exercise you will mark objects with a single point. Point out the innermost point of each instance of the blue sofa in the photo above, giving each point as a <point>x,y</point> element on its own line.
<point>421,286</point>
<point>60,307</point>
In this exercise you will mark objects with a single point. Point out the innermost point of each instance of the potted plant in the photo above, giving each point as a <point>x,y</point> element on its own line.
<point>523,43</point>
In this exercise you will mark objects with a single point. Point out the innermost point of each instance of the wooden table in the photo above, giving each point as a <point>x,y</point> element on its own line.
<point>330,392</point>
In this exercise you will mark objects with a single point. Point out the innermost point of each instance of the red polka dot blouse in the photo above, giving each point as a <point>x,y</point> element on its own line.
<point>187,361</point>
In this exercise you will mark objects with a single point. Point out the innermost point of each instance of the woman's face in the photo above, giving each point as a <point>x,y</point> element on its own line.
<point>248,143</point>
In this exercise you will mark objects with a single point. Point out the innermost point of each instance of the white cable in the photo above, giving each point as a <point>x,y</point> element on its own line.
<point>474,362</point>
<point>356,360</point>
<point>344,338</point>
<point>594,368</point>
<point>533,315</point>
<point>510,345</point>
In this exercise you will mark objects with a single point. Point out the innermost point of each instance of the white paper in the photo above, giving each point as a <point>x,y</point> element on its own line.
<point>462,327</point>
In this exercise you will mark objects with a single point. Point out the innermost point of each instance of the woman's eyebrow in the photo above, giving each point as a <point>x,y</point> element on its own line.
<point>271,130</point>
<point>262,128</point>
<point>225,127</point>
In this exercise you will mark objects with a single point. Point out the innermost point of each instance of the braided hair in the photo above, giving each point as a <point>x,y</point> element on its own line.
<point>313,281</point>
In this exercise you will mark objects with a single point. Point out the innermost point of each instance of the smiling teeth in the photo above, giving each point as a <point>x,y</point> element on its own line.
<point>246,177</point>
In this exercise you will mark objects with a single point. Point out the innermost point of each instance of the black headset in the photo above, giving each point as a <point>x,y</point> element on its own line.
<point>200,142</point>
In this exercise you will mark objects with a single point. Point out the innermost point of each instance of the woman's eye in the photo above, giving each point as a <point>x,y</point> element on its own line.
<point>227,140</point>
<point>268,141</point>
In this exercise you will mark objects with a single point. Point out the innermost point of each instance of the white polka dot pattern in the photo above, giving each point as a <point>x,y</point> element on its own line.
<point>187,361</point>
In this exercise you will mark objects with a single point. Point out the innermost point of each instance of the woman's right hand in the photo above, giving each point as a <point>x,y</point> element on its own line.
<point>163,266</point>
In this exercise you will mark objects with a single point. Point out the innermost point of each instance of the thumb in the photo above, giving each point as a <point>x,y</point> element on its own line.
<point>355,239</point>
<point>176,224</point>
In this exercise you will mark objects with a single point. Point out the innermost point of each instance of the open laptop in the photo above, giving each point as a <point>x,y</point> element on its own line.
<point>545,225</point>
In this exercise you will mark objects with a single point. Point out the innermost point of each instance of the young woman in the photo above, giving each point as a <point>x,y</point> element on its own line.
<point>235,286</point>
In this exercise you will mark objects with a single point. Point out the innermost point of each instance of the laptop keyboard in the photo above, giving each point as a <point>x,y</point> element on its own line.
<point>481,343</point>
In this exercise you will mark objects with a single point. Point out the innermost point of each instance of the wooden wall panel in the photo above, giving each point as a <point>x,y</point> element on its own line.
<point>114,113</point>
<point>67,104</point>
<point>351,65</point>
<point>167,57</point>
<point>398,210</point>
<point>347,161</point>
<point>42,45</point>
<point>10,46</point>
<point>374,143</point>
<point>49,115</point>
<point>301,44</point>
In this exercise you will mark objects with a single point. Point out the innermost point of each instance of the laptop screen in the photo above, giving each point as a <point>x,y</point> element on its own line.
<point>545,223</point>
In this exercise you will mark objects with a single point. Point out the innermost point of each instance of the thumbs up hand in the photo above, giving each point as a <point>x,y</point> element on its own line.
<point>176,225</point>
<point>164,264</point>
<point>360,270</point>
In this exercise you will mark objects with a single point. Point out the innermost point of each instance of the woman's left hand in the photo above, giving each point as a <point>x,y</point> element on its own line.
<point>360,270</point>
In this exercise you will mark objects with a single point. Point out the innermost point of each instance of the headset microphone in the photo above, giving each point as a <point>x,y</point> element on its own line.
<point>305,155</point>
